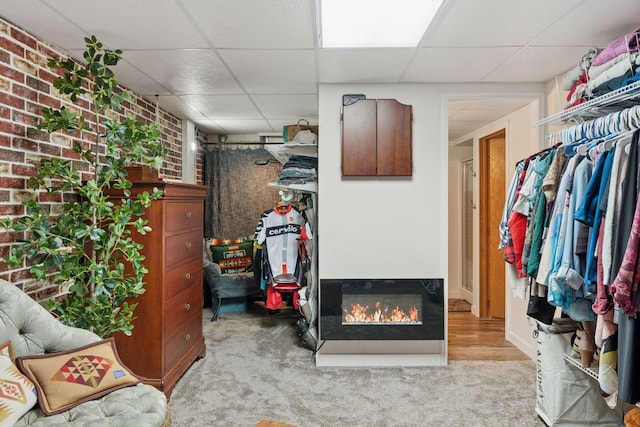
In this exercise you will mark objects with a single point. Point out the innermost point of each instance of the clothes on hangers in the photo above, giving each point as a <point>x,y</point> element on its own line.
<point>587,240</point>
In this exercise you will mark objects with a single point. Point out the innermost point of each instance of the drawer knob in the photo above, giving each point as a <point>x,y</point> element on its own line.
<point>187,276</point>
<point>187,337</point>
<point>187,307</point>
<point>187,214</point>
<point>187,245</point>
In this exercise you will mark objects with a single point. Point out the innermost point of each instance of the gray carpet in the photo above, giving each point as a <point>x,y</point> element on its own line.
<point>256,369</point>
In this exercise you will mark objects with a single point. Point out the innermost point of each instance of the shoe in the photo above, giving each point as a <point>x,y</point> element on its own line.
<point>584,345</point>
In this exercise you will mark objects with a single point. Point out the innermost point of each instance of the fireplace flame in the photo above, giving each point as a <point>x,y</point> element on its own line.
<point>359,314</point>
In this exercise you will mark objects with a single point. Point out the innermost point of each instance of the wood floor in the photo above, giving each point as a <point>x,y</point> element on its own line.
<point>472,338</point>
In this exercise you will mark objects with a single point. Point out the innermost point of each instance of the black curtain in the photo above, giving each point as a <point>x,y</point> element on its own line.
<point>237,190</point>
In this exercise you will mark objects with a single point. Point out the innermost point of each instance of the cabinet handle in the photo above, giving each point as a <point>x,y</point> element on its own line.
<point>187,337</point>
<point>187,214</point>
<point>187,245</point>
<point>187,276</point>
<point>187,307</point>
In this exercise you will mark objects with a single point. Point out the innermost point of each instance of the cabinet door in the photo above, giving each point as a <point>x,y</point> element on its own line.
<point>376,138</point>
<point>394,138</point>
<point>359,139</point>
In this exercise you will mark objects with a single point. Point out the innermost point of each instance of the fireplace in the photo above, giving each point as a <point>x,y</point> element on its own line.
<point>382,309</point>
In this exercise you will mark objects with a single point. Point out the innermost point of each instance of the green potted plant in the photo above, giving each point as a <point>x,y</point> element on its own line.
<point>88,245</point>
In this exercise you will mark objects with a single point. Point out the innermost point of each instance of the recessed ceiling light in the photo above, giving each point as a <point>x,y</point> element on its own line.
<point>374,23</point>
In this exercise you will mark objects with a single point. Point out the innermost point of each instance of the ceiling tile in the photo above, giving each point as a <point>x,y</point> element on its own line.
<point>455,65</point>
<point>185,71</point>
<point>219,107</point>
<point>362,65</point>
<point>273,71</point>
<point>131,27</point>
<point>255,24</point>
<point>47,24</point>
<point>245,126</point>
<point>180,108</point>
<point>550,61</point>
<point>494,22</point>
<point>209,127</point>
<point>132,77</point>
<point>284,106</point>
<point>570,29</point>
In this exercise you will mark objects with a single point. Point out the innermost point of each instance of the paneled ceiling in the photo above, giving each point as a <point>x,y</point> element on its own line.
<point>252,66</point>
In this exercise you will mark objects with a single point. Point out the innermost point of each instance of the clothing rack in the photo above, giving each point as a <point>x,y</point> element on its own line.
<point>624,120</point>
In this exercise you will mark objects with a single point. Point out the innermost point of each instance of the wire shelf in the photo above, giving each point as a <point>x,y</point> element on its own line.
<point>596,107</point>
<point>592,372</point>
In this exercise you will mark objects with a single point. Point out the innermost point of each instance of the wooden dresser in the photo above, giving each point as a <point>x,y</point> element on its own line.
<point>167,335</point>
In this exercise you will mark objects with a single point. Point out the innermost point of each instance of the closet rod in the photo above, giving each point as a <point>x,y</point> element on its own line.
<point>241,143</point>
<point>616,122</point>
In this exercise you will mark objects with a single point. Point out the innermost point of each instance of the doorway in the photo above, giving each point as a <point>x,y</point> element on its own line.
<point>492,196</point>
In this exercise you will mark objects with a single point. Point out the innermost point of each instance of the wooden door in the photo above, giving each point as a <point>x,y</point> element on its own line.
<point>492,196</point>
<point>394,138</point>
<point>359,139</point>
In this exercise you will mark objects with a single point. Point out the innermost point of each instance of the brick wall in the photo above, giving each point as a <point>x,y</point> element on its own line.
<point>25,87</point>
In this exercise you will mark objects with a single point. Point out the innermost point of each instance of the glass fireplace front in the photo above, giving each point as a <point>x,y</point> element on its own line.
<point>382,309</point>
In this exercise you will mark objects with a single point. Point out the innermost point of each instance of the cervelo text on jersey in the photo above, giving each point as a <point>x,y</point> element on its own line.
<point>283,229</point>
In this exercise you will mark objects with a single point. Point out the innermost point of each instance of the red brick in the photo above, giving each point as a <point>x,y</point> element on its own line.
<point>46,76</point>
<point>5,56</point>
<point>23,170</point>
<point>25,92</point>
<point>52,150</point>
<point>10,236</point>
<point>12,128</point>
<point>27,119</point>
<point>68,153</point>
<point>33,107</point>
<point>46,293</point>
<point>20,275</point>
<point>11,156</point>
<point>50,198</point>
<point>24,38</point>
<point>11,100</point>
<point>49,101</point>
<point>19,183</point>
<point>5,196</point>
<point>11,46</point>
<point>5,141</point>
<point>5,112</point>
<point>11,210</point>
<point>39,135</point>
<point>25,144</point>
<point>38,84</point>
<point>11,73</point>
<point>47,51</point>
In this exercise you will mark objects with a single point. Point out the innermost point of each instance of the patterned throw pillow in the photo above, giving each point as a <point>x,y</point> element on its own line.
<point>233,257</point>
<point>17,393</point>
<point>66,379</point>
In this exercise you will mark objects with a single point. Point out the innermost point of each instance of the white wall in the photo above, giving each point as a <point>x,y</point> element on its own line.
<point>383,227</point>
<point>396,227</point>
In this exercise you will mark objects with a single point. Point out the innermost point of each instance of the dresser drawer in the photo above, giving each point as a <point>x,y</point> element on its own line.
<point>182,247</point>
<point>183,216</point>
<point>182,277</point>
<point>183,324</point>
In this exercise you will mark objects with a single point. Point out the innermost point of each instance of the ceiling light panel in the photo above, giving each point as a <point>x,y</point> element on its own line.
<point>375,23</point>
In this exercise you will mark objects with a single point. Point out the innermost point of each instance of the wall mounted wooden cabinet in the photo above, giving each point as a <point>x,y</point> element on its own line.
<point>376,138</point>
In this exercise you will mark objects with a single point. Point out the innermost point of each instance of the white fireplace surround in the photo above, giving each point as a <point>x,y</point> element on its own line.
<point>383,353</point>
